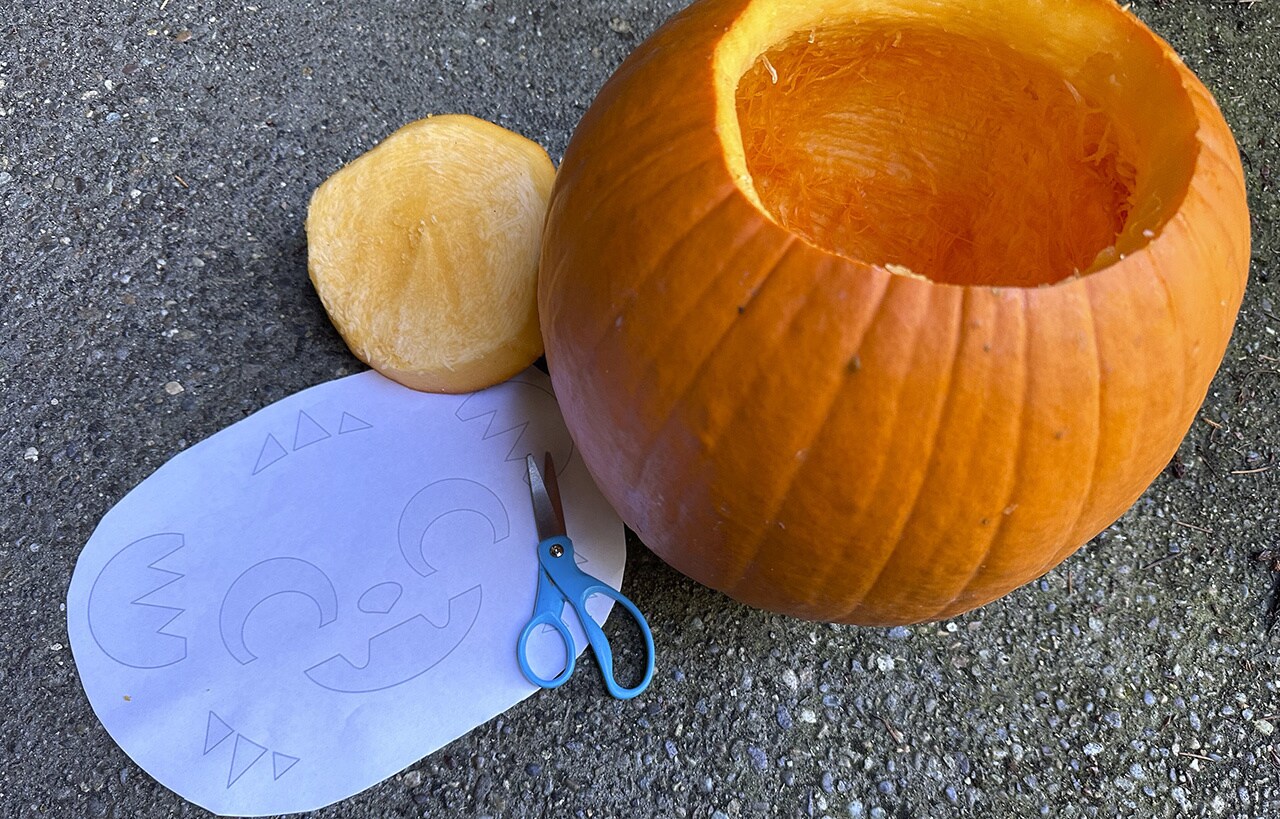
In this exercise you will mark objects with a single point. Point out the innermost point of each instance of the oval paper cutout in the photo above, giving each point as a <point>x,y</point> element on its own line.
<point>323,593</point>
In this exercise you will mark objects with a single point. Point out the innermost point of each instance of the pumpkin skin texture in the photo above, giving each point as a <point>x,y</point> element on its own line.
<point>837,424</point>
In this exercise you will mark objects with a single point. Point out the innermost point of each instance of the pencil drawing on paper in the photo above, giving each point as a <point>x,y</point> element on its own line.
<point>259,623</point>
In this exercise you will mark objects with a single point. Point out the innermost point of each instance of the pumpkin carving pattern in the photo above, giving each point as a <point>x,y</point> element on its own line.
<point>300,606</point>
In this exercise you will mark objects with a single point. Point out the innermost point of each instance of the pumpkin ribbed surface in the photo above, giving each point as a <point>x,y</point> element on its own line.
<point>872,312</point>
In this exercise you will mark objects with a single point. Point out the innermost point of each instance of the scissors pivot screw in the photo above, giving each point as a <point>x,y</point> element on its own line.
<point>556,550</point>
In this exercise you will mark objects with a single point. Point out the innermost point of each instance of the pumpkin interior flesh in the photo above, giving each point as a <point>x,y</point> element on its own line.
<point>424,252</point>
<point>957,158</point>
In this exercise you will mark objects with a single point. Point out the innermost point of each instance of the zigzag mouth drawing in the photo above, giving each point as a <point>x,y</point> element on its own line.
<point>404,651</point>
<point>128,627</point>
<point>395,655</point>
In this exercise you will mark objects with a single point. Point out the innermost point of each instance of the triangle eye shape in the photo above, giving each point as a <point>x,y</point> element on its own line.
<point>271,451</point>
<point>215,732</point>
<point>246,753</point>
<point>281,763</point>
<point>350,423</point>
<point>307,432</point>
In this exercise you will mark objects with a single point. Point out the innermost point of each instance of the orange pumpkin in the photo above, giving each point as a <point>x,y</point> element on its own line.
<point>872,311</point>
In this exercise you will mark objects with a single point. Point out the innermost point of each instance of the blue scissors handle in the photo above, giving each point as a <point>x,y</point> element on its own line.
<point>600,643</point>
<point>553,620</point>
<point>560,581</point>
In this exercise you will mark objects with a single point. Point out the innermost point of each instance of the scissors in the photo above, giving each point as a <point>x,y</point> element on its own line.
<point>560,581</point>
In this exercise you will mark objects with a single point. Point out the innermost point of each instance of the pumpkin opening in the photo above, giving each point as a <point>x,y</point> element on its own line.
<point>954,156</point>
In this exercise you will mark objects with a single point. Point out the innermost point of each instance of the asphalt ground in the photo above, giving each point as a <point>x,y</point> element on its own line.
<point>155,163</point>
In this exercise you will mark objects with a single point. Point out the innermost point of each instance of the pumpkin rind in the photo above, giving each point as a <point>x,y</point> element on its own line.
<point>822,437</point>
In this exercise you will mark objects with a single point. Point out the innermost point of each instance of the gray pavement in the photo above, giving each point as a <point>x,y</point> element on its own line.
<point>155,163</point>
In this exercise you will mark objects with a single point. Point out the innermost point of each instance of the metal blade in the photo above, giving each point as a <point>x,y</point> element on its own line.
<point>548,514</point>
<point>552,481</point>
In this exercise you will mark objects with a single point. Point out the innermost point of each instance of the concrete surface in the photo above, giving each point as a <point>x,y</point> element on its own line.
<point>155,163</point>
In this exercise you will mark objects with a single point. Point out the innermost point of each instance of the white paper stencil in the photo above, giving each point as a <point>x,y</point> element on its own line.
<point>325,592</point>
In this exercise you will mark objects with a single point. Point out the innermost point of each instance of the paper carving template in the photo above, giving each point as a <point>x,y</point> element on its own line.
<point>323,593</point>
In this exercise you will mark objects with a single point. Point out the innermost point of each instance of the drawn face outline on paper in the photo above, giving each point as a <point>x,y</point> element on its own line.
<point>134,618</point>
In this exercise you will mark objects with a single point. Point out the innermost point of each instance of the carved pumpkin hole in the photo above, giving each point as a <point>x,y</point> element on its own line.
<point>959,159</point>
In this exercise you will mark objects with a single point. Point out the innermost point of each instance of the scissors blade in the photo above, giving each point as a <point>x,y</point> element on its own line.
<point>548,514</point>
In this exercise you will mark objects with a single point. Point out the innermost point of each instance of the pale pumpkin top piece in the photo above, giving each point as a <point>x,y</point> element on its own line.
<point>425,252</point>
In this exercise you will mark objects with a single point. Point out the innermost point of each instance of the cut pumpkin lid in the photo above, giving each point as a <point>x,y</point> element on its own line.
<point>424,251</point>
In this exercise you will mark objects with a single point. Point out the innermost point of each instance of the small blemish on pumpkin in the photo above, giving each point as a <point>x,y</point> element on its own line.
<point>1008,510</point>
<point>1059,435</point>
<point>742,308</point>
<point>986,521</point>
<point>986,346</point>
<point>854,364</point>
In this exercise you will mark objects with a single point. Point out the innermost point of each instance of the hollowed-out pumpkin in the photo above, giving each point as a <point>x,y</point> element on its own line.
<point>872,311</point>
